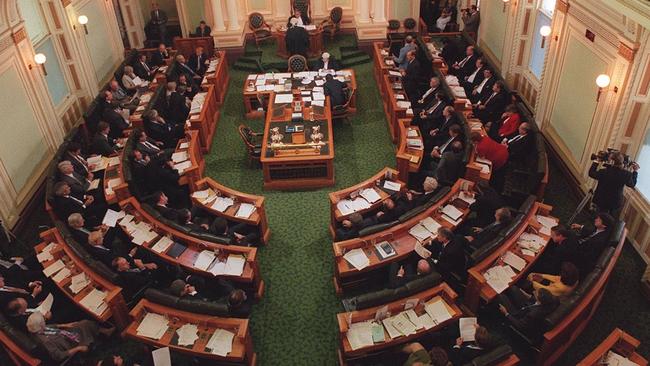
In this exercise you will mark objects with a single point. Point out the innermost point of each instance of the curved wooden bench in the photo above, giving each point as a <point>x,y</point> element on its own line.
<point>409,159</point>
<point>618,341</point>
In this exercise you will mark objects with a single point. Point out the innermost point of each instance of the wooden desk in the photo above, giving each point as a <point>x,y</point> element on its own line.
<point>250,275</point>
<point>383,62</point>
<point>346,276</point>
<point>391,99</point>
<point>347,193</point>
<point>409,159</point>
<point>115,188</point>
<point>205,121</point>
<point>116,307</point>
<point>187,46</point>
<point>619,342</point>
<point>442,291</point>
<point>191,146</point>
<point>219,77</point>
<point>242,346</point>
<point>315,43</point>
<point>257,218</point>
<point>298,163</point>
<point>137,118</point>
<point>477,287</point>
<point>259,95</point>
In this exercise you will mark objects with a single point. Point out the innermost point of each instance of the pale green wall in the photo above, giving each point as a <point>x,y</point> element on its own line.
<point>493,27</point>
<point>98,40</point>
<point>576,100</point>
<point>195,13</point>
<point>169,6</point>
<point>55,81</point>
<point>400,9</point>
<point>34,23</point>
<point>22,146</point>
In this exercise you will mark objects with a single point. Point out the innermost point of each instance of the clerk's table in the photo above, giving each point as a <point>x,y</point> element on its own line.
<point>315,41</point>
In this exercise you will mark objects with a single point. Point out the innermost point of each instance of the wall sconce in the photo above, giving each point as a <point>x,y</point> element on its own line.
<point>603,82</point>
<point>505,2</point>
<point>545,31</point>
<point>83,20</point>
<point>40,59</point>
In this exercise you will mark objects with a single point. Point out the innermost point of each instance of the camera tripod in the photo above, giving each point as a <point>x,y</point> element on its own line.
<point>586,200</point>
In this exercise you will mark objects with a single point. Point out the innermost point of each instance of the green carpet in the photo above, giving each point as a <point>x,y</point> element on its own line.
<point>295,323</point>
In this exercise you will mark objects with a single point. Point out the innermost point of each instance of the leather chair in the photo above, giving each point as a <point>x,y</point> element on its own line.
<point>214,308</point>
<point>410,26</point>
<point>377,228</point>
<point>261,30</point>
<point>332,25</point>
<point>383,296</point>
<point>342,112</point>
<point>297,63</point>
<point>252,141</point>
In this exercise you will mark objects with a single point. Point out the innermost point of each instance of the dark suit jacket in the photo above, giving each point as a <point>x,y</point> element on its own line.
<point>176,110</point>
<point>332,64</point>
<point>411,80</point>
<point>103,145</point>
<point>161,18</point>
<point>147,150</point>
<point>523,149</point>
<point>530,319</point>
<point>197,63</point>
<point>450,168</point>
<point>304,17</point>
<point>206,32</point>
<point>590,245</point>
<point>443,130</point>
<point>451,257</point>
<point>297,41</point>
<point>494,107</point>
<point>168,212</point>
<point>488,233</point>
<point>609,192</point>
<point>158,59</point>
<point>141,71</point>
<point>66,206</point>
<point>79,167</point>
<point>555,254</point>
<point>78,185</point>
<point>468,68</point>
<point>334,89</point>
<point>114,119</point>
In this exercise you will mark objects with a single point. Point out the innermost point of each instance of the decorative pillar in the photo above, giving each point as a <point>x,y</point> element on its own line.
<point>378,11</point>
<point>217,16</point>
<point>317,9</point>
<point>233,16</point>
<point>374,29</point>
<point>364,11</point>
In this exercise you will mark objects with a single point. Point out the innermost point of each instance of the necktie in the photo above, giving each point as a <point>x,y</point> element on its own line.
<point>462,63</point>
<point>433,108</point>
<point>443,147</point>
<point>146,67</point>
<point>151,146</point>
<point>516,138</point>
<point>14,289</point>
<point>76,199</point>
<point>489,99</point>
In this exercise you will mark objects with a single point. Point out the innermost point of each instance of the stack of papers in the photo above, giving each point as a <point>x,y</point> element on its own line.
<point>403,104</point>
<point>153,326</point>
<point>420,233</point>
<point>357,258</point>
<point>221,342</point>
<point>415,144</point>
<point>98,161</point>
<point>283,98</point>
<point>45,255</point>
<point>111,217</point>
<point>182,166</point>
<point>61,275</point>
<point>431,225</point>
<point>514,261</point>
<point>437,310</point>
<point>547,224</point>
<point>204,260</point>
<point>468,329</point>
<point>162,244</point>
<point>221,204</point>
<point>233,266</point>
<point>245,210</point>
<point>532,243</point>
<point>393,186</point>
<point>79,282</point>
<point>464,196</point>
<point>614,359</point>
<point>143,235</point>
<point>94,301</point>
<point>499,277</point>
<point>360,335</point>
<point>402,324</point>
<point>180,156</point>
<point>112,184</point>
<point>46,305</point>
<point>53,268</point>
<point>370,195</point>
<point>187,334</point>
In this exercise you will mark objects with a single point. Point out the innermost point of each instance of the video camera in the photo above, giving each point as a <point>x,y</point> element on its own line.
<point>605,156</point>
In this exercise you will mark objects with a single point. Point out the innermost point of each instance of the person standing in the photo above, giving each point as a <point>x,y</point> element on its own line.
<point>159,20</point>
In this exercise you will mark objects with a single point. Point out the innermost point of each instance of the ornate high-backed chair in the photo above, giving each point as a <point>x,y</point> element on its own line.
<point>303,5</point>
<point>332,25</point>
<point>261,29</point>
<point>410,26</point>
<point>297,63</point>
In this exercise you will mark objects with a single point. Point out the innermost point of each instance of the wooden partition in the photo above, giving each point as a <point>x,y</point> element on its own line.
<point>147,102</point>
<point>16,354</point>
<point>315,43</point>
<point>191,146</point>
<point>116,188</point>
<point>186,46</point>
<point>352,192</point>
<point>116,307</point>
<point>619,342</point>
<point>347,276</point>
<point>409,158</point>
<point>206,120</point>
<point>394,93</point>
<point>250,275</point>
<point>257,218</point>
<point>219,77</point>
<point>242,345</point>
<point>477,287</point>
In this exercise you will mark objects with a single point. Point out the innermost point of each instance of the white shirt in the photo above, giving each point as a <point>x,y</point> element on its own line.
<point>480,86</point>
<point>471,78</point>
<point>441,23</point>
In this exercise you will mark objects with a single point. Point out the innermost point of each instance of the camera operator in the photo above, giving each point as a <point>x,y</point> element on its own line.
<point>612,176</point>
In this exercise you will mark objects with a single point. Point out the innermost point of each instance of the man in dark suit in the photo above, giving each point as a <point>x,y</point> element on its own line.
<point>183,68</point>
<point>455,133</point>
<point>158,129</point>
<point>160,201</point>
<point>159,57</point>
<point>483,89</point>
<point>349,228</point>
<point>114,115</point>
<point>527,313</point>
<point>102,143</point>
<point>447,254</point>
<point>159,20</point>
<point>439,135</point>
<point>197,61</point>
<point>563,247</point>
<point>480,236</point>
<point>466,66</point>
<point>149,146</point>
<point>65,204</point>
<point>521,148</point>
<point>203,30</point>
<point>401,273</point>
<point>177,107</point>
<point>428,97</point>
<point>450,51</point>
<point>335,89</point>
<point>451,165</point>
<point>79,185</point>
<point>470,81</point>
<point>392,210</point>
<point>80,164</point>
<point>612,178</point>
<point>327,62</point>
<point>239,233</point>
<point>297,39</point>
<point>431,116</point>
<point>593,240</point>
<point>491,108</point>
<point>411,77</point>
<point>142,68</point>
<point>134,275</point>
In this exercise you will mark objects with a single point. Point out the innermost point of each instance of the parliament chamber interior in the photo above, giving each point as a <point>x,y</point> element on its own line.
<point>324,182</point>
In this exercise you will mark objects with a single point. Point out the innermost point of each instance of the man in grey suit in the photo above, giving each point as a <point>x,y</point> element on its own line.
<point>402,60</point>
<point>471,19</point>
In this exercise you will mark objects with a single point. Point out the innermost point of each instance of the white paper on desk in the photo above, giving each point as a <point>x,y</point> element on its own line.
<point>614,359</point>
<point>370,194</point>
<point>394,73</point>
<point>94,301</point>
<point>61,275</point>
<point>498,285</point>
<point>79,282</point>
<point>161,357</point>
<point>359,204</point>
<point>392,331</point>
<point>94,184</point>
<point>114,182</point>
<point>399,96</point>
<point>180,156</point>
<point>181,167</point>
<point>95,160</point>
<point>318,96</point>
<point>44,256</point>
<point>200,195</point>
<point>319,103</point>
<point>235,265</point>
<point>46,305</point>
<point>218,267</point>
<point>357,258</point>
<point>360,335</point>
<point>187,334</point>
<point>415,144</point>
<point>204,260</point>
<point>452,221</point>
<point>221,204</point>
<point>260,82</point>
<point>527,252</point>
<point>467,328</point>
<point>283,98</point>
<point>403,324</point>
<point>245,210</point>
<point>111,217</point>
<point>251,77</point>
<point>420,233</point>
<point>344,207</point>
<point>437,310</point>
<point>431,225</point>
<point>162,244</point>
<point>221,342</point>
<point>514,260</point>
<point>547,222</point>
<point>453,212</point>
<point>467,198</point>
<point>423,252</point>
<point>142,236</point>
<point>153,326</point>
<point>115,160</point>
<point>393,186</point>
<point>320,82</point>
<point>53,268</point>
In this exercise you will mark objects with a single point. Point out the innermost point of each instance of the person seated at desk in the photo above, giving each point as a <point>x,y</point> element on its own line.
<point>133,274</point>
<point>142,68</point>
<point>327,62</point>
<point>296,39</point>
<point>161,56</point>
<point>196,287</point>
<point>116,116</point>
<point>158,129</point>
<point>455,133</point>
<point>130,80</point>
<point>391,210</point>
<point>472,80</point>
<point>198,60</point>
<point>79,162</point>
<point>592,240</point>
<point>490,108</point>
<point>103,143</point>
<point>431,115</point>
<point>429,187</point>
<point>349,228</point>
<point>402,60</point>
<point>562,247</point>
<point>79,185</point>
<point>62,341</point>
<point>491,150</point>
<point>185,87</point>
<point>149,146</point>
<point>300,19</point>
<point>411,76</point>
<point>203,30</point>
<point>183,68</point>
<point>161,201</point>
<point>81,234</point>
<point>176,107</point>
<point>450,167</point>
<point>521,147</point>
<point>480,236</point>
<point>122,98</point>
<point>32,292</point>
<point>239,303</point>
<point>481,90</point>
<point>335,89</point>
<point>447,254</point>
<point>428,97</point>
<point>239,233</point>
<point>439,135</point>
<point>400,274</point>
<point>65,204</point>
<point>561,286</point>
<point>18,310</point>
<point>507,127</point>
<point>443,20</point>
<point>527,312</point>
<point>466,66</point>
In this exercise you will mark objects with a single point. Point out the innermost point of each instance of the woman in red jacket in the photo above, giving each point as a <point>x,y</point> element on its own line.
<point>507,127</point>
<point>491,150</point>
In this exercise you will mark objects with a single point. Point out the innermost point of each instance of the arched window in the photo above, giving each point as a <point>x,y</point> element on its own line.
<point>544,17</point>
